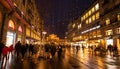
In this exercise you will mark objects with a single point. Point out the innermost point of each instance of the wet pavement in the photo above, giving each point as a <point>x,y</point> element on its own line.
<point>71,59</point>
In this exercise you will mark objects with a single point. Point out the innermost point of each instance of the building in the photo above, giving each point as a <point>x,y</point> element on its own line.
<point>18,22</point>
<point>99,24</point>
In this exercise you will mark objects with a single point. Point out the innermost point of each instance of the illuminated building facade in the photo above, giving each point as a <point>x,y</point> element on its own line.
<point>19,21</point>
<point>97,25</point>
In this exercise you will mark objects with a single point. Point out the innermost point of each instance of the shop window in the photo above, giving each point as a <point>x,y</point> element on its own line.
<point>118,30</point>
<point>97,15</point>
<point>118,17</point>
<point>11,24</point>
<point>79,26</point>
<point>107,21</point>
<point>109,32</point>
<point>97,6</point>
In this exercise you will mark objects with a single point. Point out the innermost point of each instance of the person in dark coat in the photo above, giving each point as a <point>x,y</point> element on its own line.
<point>17,48</point>
<point>23,51</point>
<point>1,47</point>
<point>53,50</point>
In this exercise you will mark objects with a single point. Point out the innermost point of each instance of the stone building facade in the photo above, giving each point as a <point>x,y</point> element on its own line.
<point>98,25</point>
<point>19,21</point>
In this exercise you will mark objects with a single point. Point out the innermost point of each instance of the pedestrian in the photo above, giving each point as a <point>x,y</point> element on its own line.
<point>1,47</point>
<point>59,51</point>
<point>110,48</point>
<point>23,51</point>
<point>11,49</point>
<point>53,50</point>
<point>5,52</point>
<point>17,48</point>
<point>115,50</point>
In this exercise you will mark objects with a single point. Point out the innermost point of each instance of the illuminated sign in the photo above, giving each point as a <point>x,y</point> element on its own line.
<point>91,29</point>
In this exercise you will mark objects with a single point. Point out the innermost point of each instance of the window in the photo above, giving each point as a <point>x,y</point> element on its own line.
<point>79,26</point>
<point>81,18</point>
<point>118,30</point>
<point>93,10</point>
<point>97,15</point>
<point>107,21</point>
<point>97,7</point>
<point>73,25</point>
<point>86,15</point>
<point>87,21</point>
<point>93,17</point>
<point>90,20</point>
<point>89,12</point>
<point>11,24</point>
<point>109,32</point>
<point>118,17</point>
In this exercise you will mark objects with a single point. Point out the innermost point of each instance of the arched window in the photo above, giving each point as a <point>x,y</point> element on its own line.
<point>20,29</point>
<point>11,24</point>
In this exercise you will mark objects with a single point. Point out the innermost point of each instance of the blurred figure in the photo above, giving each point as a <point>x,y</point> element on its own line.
<point>115,50</point>
<point>5,52</point>
<point>17,48</point>
<point>23,51</point>
<point>53,50</point>
<point>110,48</point>
<point>1,47</point>
<point>59,51</point>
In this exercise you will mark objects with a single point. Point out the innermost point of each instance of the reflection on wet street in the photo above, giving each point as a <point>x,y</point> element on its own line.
<point>71,59</point>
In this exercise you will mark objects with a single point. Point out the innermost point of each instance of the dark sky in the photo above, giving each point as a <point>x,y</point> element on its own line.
<point>58,13</point>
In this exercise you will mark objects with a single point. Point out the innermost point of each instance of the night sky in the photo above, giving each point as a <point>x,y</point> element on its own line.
<point>58,13</point>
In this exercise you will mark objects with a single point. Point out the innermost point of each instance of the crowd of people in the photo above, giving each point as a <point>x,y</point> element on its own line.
<point>22,51</point>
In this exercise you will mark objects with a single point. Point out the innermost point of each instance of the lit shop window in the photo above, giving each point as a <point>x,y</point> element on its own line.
<point>107,21</point>
<point>97,15</point>
<point>93,18</point>
<point>11,24</point>
<point>118,17</point>
<point>118,30</point>
<point>109,32</point>
<point>97,7</point>
<point>79,26</point>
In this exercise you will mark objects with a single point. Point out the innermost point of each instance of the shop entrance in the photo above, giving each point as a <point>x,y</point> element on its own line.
<point>108,42</point>
<point>10,38</point>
